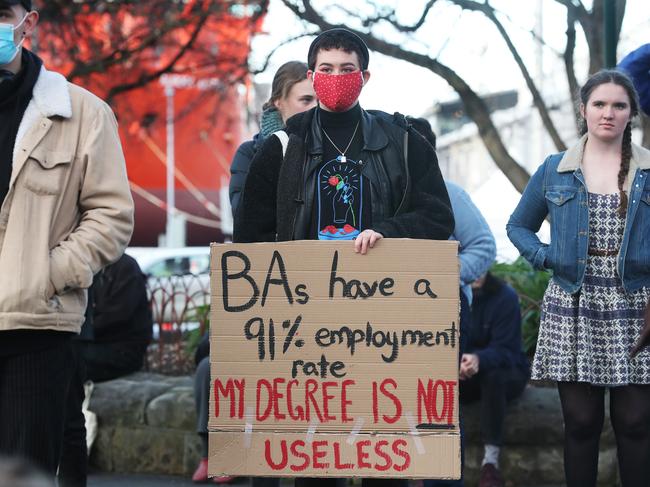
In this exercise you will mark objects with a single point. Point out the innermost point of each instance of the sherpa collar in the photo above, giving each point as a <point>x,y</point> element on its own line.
<point>51,95</point>
<point>573,157</point>
<point>50,98</point>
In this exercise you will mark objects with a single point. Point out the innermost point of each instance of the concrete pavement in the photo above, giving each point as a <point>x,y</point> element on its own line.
<point>108,480</point>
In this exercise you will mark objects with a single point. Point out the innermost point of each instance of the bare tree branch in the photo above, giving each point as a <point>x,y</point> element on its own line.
<point>538,101</point>
<point>591,24</point>
<point>273,51</point>
<point>569,64</point>
<point>577,7</point>
<point>148,77</point>
<point>119,54</point>
<point>474,105</point>
<point>392,19</point>
<point>532,32</point>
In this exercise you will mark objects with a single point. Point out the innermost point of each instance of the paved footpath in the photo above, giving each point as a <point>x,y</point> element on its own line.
<point>110,480</point>
<point>113,480</point>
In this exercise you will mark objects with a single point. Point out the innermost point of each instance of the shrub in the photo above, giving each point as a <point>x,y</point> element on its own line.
<point>530,286</point>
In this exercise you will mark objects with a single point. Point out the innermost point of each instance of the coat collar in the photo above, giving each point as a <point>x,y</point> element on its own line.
<point>374,136</point>
<point>51,95</point>
<point>572,158</point>
<point>50,98</point>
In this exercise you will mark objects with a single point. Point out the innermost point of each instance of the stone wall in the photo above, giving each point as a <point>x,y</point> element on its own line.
<point>147,424</point>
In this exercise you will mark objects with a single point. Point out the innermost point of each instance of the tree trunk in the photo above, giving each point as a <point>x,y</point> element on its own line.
<point>595,35</point>
<point>474,107</point>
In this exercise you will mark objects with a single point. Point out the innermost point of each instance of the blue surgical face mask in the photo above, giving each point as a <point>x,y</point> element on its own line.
<point>8,47</point>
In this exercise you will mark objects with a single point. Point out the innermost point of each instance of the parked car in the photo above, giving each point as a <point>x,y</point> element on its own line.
<point>173,261</point>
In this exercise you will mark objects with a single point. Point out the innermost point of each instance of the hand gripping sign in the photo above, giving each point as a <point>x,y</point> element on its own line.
<point>329,363</point>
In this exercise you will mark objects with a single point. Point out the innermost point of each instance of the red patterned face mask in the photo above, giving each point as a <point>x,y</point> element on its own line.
<point>338,92</point>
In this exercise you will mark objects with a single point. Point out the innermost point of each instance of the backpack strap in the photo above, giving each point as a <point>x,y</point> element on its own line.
<point>402,121</point>
<point>284,140</point>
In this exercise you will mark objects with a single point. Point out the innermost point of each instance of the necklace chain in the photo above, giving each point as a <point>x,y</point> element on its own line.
<point>349,143</point>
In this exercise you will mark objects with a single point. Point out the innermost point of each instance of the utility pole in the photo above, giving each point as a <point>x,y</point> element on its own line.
<point>170,234</point>
<point>538,127</point>
<point>611,36</point>
<point>175,226</point>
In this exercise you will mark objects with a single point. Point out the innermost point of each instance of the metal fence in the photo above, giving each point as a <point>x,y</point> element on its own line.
<point>180,307</point>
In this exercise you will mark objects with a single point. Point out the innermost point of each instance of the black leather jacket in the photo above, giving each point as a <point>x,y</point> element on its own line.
<point>409,198</point>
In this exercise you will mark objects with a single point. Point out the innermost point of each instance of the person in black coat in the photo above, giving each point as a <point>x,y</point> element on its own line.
<point>291,93</point>
<point>345,174</point>
<point>119,323</point>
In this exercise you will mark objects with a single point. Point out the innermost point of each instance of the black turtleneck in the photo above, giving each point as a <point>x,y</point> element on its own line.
<point>339,126</point>
<point>342,206</point>
<point>15,94</point>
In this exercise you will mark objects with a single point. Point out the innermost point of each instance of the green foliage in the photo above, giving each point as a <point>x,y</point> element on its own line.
<point>200,314</point>
<point>530,286</point>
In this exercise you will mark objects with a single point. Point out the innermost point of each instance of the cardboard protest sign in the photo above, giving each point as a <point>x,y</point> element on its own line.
<point>327,363</point>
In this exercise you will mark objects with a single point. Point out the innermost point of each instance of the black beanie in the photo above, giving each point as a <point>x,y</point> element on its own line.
<point>339,31</point>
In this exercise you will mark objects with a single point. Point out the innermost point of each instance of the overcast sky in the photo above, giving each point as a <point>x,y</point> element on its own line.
<point>465,41</point>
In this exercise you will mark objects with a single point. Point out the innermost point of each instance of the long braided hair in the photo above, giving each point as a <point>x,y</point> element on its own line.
<point>621,79</point>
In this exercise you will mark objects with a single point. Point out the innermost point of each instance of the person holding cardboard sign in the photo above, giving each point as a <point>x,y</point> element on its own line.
<point>346,173</point>
<point>361,176</point>
<point>595,322</point>
<point>66,212</point>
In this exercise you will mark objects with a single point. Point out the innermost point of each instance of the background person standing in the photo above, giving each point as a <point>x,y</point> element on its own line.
<point>595,321</point>
<point>66,213</point>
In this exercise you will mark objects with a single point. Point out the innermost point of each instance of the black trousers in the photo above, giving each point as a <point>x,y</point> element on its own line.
<point>33,394</point>
<point>494,388</point>
<point>73,467</point>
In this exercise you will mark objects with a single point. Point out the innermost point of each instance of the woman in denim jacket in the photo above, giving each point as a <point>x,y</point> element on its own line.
<point>595,324</point>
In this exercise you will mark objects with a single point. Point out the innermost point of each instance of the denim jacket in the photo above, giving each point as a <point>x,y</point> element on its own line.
<point>558,190</point>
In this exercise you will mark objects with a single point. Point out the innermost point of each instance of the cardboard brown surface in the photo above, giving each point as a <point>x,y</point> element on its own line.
<point>334,361</point>
<point>336,455</point>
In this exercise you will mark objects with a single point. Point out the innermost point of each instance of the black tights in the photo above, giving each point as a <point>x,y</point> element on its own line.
<point>583,407</point>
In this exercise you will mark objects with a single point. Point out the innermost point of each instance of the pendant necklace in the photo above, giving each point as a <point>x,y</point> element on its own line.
<point>342,157</point>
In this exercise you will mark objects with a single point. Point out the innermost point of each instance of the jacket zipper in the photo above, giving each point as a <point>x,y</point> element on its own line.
<point>406,170</point>
<point>299,199</point>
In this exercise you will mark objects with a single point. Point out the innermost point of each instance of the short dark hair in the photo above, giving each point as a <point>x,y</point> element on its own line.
<point>27,4</point>
<point>339,38</point>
